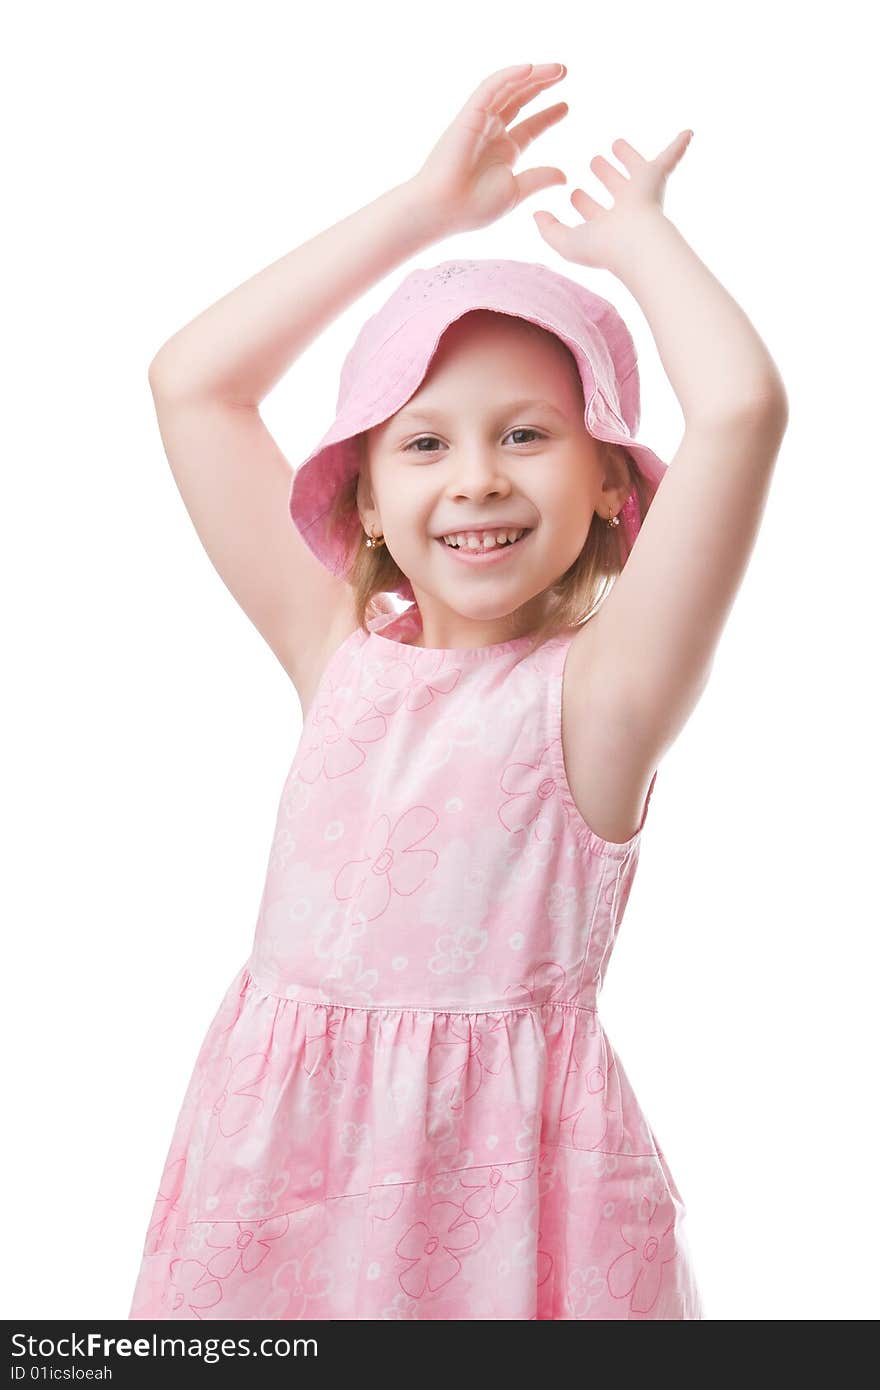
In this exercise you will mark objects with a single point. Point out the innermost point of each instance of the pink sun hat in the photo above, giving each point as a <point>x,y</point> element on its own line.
<point>394,348</point>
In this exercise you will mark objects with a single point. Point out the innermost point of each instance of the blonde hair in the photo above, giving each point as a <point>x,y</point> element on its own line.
<point>374,574</point>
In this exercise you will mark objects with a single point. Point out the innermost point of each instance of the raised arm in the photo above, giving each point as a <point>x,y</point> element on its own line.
<point>236,351</point>
<point>659,627</point>
<point>207,382</point>
<point>209,378</point>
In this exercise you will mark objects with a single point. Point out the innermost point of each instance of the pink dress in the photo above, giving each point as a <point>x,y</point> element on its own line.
<point>406,1105</point>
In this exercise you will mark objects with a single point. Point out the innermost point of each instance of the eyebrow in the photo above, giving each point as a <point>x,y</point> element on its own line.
<point>507,409</point>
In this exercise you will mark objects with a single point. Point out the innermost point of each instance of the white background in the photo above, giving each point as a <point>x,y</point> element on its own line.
<point>156,157</point>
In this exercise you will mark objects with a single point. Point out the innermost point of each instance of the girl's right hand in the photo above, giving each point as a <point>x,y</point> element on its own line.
<point>467,180</point>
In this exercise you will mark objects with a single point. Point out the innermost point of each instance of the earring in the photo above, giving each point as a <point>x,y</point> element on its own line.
<point>374,541</point>
<point>612,520</point>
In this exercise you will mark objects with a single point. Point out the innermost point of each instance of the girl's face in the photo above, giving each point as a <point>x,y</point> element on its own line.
<point>493,437</point>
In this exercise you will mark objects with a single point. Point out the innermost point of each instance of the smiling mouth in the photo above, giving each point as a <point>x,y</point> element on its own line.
<point>484,556</point>
<point>468,549</point>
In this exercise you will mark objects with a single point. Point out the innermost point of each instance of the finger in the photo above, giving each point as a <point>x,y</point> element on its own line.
<point>499,81</point>
<point>533,180</point>
<point>539,79</point>
<point>496,90</point>
<point>556,234</point>
<point>476,115</point>
<point>628,157</point>
<point>606,173</point>
<point>585,205</point>
<point>529,130</point>
<point>668,158</point>
<point>492,91</point>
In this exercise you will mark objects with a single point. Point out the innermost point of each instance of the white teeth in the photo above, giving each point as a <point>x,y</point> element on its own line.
<point>473,540</point>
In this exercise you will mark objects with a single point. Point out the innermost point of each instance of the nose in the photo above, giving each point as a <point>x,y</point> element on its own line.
<point>479,474</point>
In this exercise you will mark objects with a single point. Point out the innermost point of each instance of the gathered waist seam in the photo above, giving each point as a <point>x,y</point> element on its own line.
<point>417,1008</point>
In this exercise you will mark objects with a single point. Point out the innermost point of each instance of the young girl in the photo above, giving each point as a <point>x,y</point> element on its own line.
<point>407,1105</point>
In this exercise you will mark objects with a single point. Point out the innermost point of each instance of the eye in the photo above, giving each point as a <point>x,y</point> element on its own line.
<point>526,430</point>
<point>425,438</point>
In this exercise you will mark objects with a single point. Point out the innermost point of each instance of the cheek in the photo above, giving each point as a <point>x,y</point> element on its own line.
<point>565,511</point>
<point>409,533</point>
<point>569,502</point>
<point>566,517</point>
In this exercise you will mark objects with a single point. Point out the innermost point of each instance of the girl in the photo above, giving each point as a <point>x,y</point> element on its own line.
<point>407,1105</point>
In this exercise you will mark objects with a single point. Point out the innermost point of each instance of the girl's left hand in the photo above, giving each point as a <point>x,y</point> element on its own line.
<point>605,231</point>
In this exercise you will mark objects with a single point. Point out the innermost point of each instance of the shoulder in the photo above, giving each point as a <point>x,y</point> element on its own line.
<point>608,766</point>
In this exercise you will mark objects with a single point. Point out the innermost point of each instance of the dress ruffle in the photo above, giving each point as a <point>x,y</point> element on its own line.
<point>333,1161</point>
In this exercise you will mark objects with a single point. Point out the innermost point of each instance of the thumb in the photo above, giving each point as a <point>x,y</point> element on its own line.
<point>672,155</point>
<point>554,232</point>
<point>536,180</point>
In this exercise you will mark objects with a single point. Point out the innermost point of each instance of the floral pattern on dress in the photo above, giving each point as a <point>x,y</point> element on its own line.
<point>407,1105</point>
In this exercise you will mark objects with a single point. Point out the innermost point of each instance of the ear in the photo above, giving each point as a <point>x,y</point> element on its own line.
<point>616,480</point>
<point>364,492</point>
<point>366,508</point>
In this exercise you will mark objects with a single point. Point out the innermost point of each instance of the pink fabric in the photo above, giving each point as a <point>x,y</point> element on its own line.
<point>406,1105</point>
